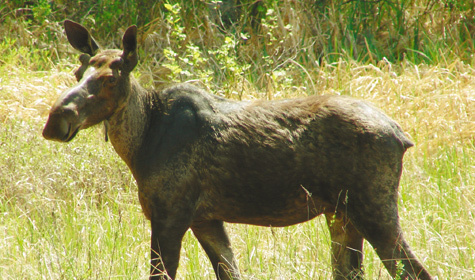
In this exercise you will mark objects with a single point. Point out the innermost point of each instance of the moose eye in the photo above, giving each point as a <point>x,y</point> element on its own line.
<point>116,64</point>
<point>112,80</point>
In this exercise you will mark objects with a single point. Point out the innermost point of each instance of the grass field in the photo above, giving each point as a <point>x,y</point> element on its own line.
<point>71,211</point>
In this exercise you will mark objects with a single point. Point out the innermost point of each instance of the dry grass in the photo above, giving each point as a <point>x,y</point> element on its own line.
<point>435,105</point>
<point>70,210</point>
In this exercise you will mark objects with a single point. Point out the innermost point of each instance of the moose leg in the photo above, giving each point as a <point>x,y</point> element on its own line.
<point>376,218</point>
<point>397,257</point>
<point>214,240</point>
<point>166,245</point>
<point>347,246</point>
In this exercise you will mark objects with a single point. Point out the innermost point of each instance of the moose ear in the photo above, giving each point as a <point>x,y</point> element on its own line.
<point>79,38</point>
<point>129,42</point>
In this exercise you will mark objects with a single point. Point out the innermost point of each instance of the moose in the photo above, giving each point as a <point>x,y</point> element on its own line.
<point>200,160</point>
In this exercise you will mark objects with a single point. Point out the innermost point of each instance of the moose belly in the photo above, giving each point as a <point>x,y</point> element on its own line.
<point>267,209</point>
<point>274,219</point>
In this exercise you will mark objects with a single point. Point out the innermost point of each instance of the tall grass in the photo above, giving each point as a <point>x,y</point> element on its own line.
<point>267,40</point>
<point>71,210</point>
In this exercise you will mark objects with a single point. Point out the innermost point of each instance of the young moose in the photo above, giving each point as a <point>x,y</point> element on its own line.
<point>200,160</point>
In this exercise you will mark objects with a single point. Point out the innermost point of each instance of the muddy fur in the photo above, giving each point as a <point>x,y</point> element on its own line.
<point>200,160</point>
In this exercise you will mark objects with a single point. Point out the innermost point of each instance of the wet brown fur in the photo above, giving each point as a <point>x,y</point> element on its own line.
<point>200,160</point>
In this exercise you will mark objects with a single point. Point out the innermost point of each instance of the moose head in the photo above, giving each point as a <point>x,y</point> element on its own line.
<point>102,84</point>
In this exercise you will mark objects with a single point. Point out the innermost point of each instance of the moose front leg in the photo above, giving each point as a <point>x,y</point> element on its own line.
<point>214,240</point>
<point>165,248</point>
<point>347,246</point>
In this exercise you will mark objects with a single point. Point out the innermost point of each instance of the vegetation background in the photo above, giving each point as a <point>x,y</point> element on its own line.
<point>71,210</point>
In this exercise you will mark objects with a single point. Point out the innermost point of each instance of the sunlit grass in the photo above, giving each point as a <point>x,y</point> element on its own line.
<point>71,210</point>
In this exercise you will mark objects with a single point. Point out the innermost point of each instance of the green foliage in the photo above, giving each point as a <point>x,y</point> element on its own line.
<point>13,54</point>
<point>268,43</point>
<point>42,11</point>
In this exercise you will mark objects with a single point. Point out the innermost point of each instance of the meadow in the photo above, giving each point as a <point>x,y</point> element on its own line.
<point>71,211</point>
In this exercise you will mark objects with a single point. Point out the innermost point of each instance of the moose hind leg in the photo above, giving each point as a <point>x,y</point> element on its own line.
<point>376,218</point>
<point>347,246</point>
<point>397,257</point>
<point>214,240</point>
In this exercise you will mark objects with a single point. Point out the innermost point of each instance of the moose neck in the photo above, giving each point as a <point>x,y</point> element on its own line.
<point>128,125</point>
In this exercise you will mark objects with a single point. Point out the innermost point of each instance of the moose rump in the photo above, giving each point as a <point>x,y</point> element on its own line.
<point>200,160</point>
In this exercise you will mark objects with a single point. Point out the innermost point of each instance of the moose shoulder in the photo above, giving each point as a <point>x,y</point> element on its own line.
<point>200,160</point>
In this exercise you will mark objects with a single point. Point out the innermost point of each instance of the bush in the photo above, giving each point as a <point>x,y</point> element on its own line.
<point>263,41</point>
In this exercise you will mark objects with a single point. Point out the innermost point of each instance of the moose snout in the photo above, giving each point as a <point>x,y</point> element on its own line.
<point>60,127</point>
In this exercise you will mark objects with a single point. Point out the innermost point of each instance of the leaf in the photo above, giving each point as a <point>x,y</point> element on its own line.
<point>169,7</point>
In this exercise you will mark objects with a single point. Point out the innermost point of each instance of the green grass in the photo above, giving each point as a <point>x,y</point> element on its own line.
<point>71,210</point>
<point>65,207</point>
